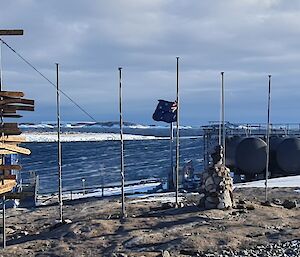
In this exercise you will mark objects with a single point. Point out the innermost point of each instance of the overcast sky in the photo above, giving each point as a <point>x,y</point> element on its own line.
<point>247,39</point>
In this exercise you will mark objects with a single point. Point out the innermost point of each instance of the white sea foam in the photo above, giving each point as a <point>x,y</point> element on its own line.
<point>37,126</point>
<point>78,137</point>
<point>138,126</point>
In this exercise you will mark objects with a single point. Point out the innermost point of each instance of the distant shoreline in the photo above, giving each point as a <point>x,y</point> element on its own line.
<point>32,137</point>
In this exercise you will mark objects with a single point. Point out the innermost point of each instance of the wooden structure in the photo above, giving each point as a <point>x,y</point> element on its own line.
<point>10,103</point>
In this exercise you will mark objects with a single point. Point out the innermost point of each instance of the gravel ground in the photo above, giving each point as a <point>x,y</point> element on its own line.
<point>284,249</point>
<point>153,229</point>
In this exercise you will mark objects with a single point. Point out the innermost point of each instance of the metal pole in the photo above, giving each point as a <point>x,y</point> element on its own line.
<point>223,118</point>
<point>171,178</point>
<point>177,131</point>
<point>123,214</point>
<point>59,148</point>
<point>268,140</point>
<point>220,121</point>
<point>4,221</point>
<point>1,47</point>
<point>2,158</point>
<point>83,186</point>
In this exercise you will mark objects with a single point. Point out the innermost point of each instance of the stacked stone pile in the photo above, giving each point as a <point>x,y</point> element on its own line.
<point>216,185</point>
<point>217,188</point>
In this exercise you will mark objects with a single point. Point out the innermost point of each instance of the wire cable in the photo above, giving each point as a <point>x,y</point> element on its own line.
<point>41,74</point>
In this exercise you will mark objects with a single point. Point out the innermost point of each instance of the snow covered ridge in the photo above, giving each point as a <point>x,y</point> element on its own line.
<point>81,137</point>
<point>106,124</point>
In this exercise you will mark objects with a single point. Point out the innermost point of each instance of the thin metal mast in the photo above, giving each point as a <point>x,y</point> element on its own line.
<point>268,140</point>
<point>171,158</point>
<point>223,118</point>
<point>1,46</point>
<point>2,160</point>
<point>220,120</point>
<point>59,147</point>
<point>177,131</point>
<point>123,214</point>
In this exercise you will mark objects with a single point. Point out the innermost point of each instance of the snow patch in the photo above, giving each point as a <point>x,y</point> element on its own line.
<point>155,197</point>
<point>291,181</point>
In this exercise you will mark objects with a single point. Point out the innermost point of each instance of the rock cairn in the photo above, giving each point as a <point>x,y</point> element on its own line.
<point>216,184</point>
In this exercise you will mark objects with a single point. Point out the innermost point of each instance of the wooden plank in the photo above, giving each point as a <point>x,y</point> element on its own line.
<point>7,115</point>
<point>10,167</point>
<point>12,143</point>
<point>8,177</point>
<point>6,152</point>
<point>16,101</point>
<point>14,148</point>
<point>8,139</point>
<point>7,186</point>
<point>11,93</point>
<point>14,108</point>
<point>11,32</point>
<point>9,131</point>
<point>10,111</point>
<point>12,125</point>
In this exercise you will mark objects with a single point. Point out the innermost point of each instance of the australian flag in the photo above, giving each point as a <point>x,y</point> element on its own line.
<point>165,111</point>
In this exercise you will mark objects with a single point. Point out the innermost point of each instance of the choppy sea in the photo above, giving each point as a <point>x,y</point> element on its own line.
<point>98,163</point>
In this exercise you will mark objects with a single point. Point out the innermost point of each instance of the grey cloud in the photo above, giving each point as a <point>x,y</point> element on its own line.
<point>90,39</point>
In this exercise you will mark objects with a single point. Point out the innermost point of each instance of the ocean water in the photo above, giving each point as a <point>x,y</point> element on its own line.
<point>98,163</point>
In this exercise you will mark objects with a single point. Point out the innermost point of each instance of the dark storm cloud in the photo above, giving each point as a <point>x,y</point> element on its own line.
<point>90,39</point>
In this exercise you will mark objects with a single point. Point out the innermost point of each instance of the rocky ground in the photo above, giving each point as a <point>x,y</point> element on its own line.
<point>152,228</point>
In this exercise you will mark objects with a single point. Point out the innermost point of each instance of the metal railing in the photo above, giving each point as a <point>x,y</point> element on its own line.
<point>98,190</point>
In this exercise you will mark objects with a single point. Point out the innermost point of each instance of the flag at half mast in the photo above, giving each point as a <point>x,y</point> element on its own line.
<point>165,111</point>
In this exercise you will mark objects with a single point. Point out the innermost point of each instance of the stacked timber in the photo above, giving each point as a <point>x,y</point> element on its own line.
<point>216,184</point>
<point>10,104</point>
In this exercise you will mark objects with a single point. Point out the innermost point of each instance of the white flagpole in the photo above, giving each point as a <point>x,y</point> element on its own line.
<point>268,139</point>
<point>177,133</point>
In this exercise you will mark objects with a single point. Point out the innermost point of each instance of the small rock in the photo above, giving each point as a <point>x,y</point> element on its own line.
<point>266,203</point>
<point>240,206</point>
<point>242,211</point>
<point>180,205</point>
<point>288,204</point>
<point>250,207</point>
<point>276,201</point>
<point>241,201</point>
<point>189,252</point>
<point>85,229</point>
<point>165,254</point>
<point>166,206</point>
<point>67,221</point>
